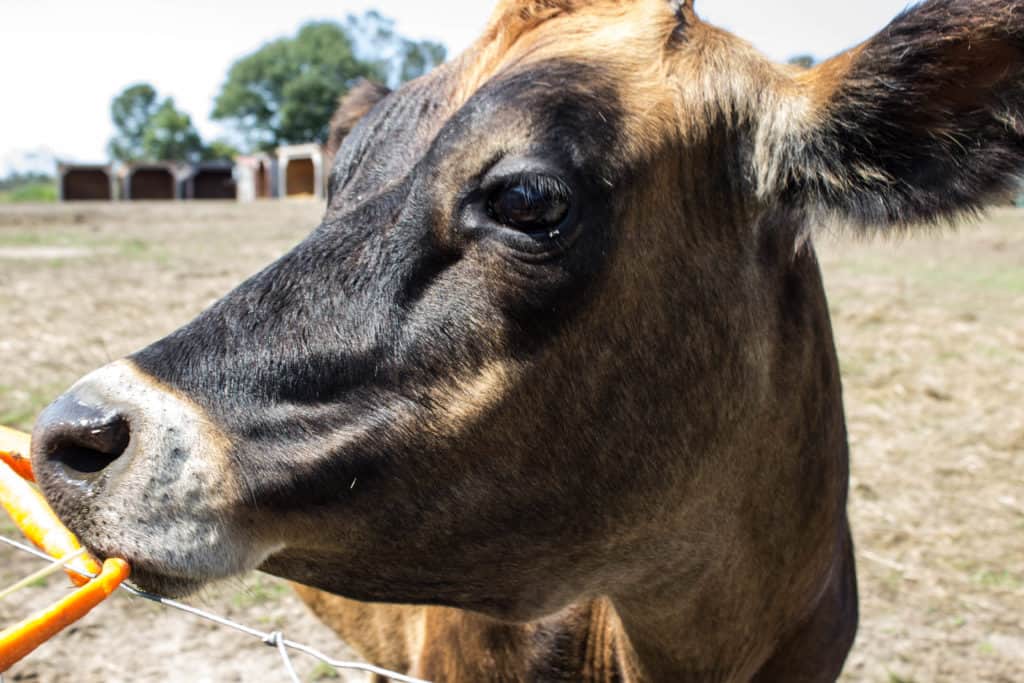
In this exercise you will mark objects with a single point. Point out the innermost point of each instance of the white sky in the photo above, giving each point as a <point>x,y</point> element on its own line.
<point>62,61</point>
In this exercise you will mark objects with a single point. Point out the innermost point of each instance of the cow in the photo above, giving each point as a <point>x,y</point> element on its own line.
<point>551,393</point>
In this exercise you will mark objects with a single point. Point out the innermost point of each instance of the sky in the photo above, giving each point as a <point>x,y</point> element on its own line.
<point>62,61</point>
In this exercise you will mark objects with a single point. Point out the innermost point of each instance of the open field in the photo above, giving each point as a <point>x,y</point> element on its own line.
<point>42,191</point>
<point>930,331</point>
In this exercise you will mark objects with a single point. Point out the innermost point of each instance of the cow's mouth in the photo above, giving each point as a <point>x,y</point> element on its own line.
<point>160,565</point>
<point>164,584</point>
<point>152,577</point>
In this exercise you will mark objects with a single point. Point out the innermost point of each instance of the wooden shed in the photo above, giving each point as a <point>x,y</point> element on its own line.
<point>158,180</point>
<point>300,171</point>
<point>85,182</point>
<point>210,180</point>
<point>256,175</point>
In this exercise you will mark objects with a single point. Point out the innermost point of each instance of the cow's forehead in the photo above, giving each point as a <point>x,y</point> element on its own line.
<point>607,56</point>
<point>391,139</point>
<point>627,38</point>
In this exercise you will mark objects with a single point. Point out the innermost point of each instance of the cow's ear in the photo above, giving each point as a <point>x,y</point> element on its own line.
<point>352,106</point>
<point>919,124</point>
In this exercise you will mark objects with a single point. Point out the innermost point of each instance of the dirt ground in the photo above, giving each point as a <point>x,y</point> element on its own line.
<point>930,331</point>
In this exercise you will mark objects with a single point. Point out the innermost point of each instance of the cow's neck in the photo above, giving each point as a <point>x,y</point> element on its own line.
<point>661,631</point>
<point>583,643</point>
<point>751,575</point>
<point>672,635</point>
<point>657,634</point>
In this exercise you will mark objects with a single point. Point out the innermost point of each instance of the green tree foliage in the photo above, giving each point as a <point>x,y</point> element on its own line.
<point>395,59</point>
<point>170,135</point>
<point>220,150</point>
<point>418,58</point>
<point>148,128</point>
<point>803,61</point>
<point>131,112</point>
<point>28,187</point>
<point>286,91</point>
<point>16,180</point>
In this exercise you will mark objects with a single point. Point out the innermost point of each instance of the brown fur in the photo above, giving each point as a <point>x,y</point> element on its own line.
<point>613,454</point>
<point>452,645</point>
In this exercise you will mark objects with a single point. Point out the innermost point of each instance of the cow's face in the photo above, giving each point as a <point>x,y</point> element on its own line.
<point>547,308</point>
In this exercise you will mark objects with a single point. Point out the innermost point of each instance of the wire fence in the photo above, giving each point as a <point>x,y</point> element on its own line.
<point>273,639</point>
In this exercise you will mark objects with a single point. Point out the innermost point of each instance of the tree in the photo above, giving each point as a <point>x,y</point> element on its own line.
<point>170,135</point>
<point>419,57</point>
<point>148,128</point>
<point>803,61</point>
<point>286,91</point>
<point>131,112</point>
<point>396,58</point>
<point>220,150</point>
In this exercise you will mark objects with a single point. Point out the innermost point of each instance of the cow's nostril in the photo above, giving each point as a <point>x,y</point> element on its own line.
<point>79,440</point>
<point>91,451</point>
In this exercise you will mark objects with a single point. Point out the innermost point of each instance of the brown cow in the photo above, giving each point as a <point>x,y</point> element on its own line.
<point>557,367</point>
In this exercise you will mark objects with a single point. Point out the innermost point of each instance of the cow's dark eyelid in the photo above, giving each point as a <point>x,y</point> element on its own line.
<point>533,203</point>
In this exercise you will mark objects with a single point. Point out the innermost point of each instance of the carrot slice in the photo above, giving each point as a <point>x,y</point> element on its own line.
<point>33,515</point>
<point>14,450</point>
<point>21,639</point>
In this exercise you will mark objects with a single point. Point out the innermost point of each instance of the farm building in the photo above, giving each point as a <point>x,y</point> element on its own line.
<point>210,180</point>
<point>80,182</point>
<point>151,180</point>
<point>256,176</point>
<point>300,171</point>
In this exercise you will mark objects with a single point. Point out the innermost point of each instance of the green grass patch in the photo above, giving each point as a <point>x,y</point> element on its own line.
<point>32,192</point>
<point>102,244</point>
<point>993,278</point>
<point>952,274</point>
<point>145,251</point>
<point>52,238</point>
<point>134,247</point>
<point>261,592</point>
<point>999,579</point>
<point>324,672</point>
<point>7,527</point>
<point>896,678</point>
<point>20,405</point>
<point>850,366</point>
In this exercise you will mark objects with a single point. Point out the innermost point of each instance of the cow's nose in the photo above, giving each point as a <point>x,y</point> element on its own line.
<point>75,443</point>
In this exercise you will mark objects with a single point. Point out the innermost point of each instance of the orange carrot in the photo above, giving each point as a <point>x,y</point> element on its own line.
<point>21,639</point>
<point>14,450</point>
<point>33,515</point>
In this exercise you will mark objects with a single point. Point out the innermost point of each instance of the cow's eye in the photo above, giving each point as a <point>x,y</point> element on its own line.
<point>531,203</point>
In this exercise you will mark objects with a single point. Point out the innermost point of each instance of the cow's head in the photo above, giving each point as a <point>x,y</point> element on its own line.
<point>560,305</point>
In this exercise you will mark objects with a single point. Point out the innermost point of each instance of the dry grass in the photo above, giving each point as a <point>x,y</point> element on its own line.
<point>930,333</point>
<point>931,337</point>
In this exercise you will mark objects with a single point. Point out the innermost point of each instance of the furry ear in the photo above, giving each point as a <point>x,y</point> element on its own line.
<point>919,124</point>
<point>352,106</point>
<point>685,16</point>
<point>681,7</point>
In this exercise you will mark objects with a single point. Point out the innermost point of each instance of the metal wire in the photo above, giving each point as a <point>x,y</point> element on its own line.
<point>275,639</point>
<point>52,568</point>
